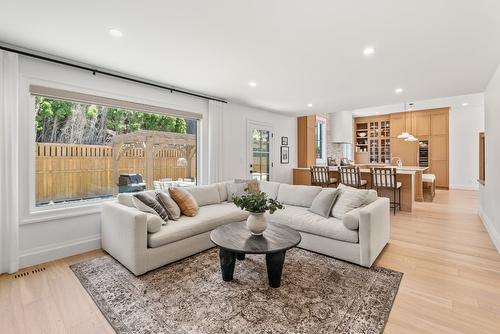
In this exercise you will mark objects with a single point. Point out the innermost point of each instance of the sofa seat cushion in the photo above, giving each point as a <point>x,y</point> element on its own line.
<point>208,218</point>
<point>302,220</point>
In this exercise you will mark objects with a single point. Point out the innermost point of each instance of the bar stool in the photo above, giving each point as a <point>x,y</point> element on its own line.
<point>430,178</point>
<point>383,177</point>
<point>351,176</point>
<point>320,176</point>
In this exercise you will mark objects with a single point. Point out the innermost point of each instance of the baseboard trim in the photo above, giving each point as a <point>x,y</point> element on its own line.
<point>494,235</point>
<point>464,187</point>
<point>38,255</point>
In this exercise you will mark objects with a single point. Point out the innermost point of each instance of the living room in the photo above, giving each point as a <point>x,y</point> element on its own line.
<point>141,144</point>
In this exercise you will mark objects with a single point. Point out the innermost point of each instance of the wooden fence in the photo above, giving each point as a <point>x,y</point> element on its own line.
<point>71,172</point>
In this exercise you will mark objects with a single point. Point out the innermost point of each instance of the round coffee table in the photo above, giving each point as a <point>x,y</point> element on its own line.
<point>235,240</point>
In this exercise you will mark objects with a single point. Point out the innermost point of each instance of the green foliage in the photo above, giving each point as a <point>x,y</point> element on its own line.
<point>54,115</point>
<point>257,203</point>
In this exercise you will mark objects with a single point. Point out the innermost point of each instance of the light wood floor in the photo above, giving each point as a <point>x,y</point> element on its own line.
<point>451,280</point>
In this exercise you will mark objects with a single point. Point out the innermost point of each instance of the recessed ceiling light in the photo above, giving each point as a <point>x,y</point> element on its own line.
<point>309,105</point>
<point>252,84</point>
<point>115,32</point>
<point>368,51</point>
<point>398,90</point>
<point>465,104</point>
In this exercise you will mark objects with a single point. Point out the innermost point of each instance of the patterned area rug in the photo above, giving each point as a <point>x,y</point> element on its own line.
<point>318,294</point>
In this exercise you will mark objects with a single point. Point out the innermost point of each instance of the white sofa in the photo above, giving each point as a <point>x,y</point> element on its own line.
<point>125,229</point>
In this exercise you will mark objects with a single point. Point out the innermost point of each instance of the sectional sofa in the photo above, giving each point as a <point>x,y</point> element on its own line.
<point>358,237</point>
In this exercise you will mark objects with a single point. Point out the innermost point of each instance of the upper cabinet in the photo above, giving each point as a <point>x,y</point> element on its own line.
<point>439,123</point>
<point>372,140</point>
<point>422,125</point>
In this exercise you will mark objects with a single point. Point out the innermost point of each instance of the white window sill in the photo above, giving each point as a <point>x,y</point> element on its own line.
<point>63,211</point>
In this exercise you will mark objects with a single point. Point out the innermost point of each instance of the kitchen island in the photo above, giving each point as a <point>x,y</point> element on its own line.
<point>409,176</point>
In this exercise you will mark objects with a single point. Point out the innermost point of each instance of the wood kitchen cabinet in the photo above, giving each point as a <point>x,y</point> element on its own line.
<point>306,146</point>
<point>430,125</point>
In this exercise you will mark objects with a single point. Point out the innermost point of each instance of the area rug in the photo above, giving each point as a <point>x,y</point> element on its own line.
<point>318,294</point>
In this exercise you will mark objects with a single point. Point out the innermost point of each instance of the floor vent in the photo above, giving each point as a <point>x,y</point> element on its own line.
<point>29,272</point>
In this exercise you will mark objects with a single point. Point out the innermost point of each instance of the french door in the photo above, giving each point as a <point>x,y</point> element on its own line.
<point>259,147</point>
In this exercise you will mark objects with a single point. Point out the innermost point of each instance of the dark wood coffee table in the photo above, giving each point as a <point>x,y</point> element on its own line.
<point>235,240</point>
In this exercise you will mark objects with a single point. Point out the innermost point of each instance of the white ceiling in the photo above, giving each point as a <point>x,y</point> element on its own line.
<point>298,52</point>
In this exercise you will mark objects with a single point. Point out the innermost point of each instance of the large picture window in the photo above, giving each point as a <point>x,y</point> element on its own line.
<point>91,151</point>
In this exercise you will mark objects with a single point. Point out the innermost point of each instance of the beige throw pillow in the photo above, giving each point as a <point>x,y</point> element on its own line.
<point>349,199</point>
<point>185,201</point>
<point>173,210</point>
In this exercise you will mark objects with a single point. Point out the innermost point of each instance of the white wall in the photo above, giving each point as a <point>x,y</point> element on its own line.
<point>465,123</point>
<point>490,200</point>
<point>234,140</point>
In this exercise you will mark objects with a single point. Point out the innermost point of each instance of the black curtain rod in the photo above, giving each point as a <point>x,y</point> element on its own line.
<point>97,71</point>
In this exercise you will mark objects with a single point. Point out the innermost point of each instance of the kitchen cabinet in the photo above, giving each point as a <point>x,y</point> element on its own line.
<point>306,146</point>
<point>372,140</point>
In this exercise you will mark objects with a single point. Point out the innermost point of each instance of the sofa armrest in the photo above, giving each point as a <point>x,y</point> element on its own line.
<point>124,235</point>
<point>374,230</point>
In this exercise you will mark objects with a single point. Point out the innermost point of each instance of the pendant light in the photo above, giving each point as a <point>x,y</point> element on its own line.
<point>404,134</point>
<point>411,137</point>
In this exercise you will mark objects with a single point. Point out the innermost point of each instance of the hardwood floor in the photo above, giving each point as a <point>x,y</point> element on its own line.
<point>451,281</point>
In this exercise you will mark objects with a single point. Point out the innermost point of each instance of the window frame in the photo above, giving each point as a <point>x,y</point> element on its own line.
<point>29,212</point>
<point>321,124</point>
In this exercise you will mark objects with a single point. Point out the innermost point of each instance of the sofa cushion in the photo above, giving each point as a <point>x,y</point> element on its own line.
<point>270,188</point>
<point>185,201</point>
<point>205,195</point>
<point>154,222</point>
<point>235,190</point>
<point>126,199</point>
<point>146,203</point>
<point>297,195</point>
<point>209,217</point>
<point>349,198</point>
<point>222,186</point>
<point>303,220</point>
<point>323,202</point>
<point>252,185</point>
<point>351,219</point>
<point>173,210</point>
<point>371,197</point>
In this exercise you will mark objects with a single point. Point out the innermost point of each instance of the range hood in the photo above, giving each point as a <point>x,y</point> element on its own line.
<point>341,127</point>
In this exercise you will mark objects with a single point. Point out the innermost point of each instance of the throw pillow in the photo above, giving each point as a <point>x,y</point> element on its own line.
<point>205,195</point>
<point>152,203</point>
<point>173,210</point>
<point>185,201</point>
<point>154,222</point>
<point>349,199</point>
<point>235,190</point>
<point>252,185</point>
<point>323,202</point>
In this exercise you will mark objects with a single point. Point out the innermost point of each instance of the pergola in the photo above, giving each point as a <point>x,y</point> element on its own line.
<point>152,142</point>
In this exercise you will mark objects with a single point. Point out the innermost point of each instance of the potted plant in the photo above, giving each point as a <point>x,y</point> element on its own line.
<point>257,204</point>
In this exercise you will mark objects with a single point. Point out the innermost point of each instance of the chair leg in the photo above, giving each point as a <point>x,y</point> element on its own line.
<point>394,199</point>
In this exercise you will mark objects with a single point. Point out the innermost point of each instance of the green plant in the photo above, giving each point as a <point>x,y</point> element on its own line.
<point>257,203</point>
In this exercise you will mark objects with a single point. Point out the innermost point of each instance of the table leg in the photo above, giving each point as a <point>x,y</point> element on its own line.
<point>274,264</point>
<point>227,261</point>
<point>240,256</point>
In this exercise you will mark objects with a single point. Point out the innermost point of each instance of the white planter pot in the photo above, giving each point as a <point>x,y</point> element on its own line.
<point>256,223</point>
